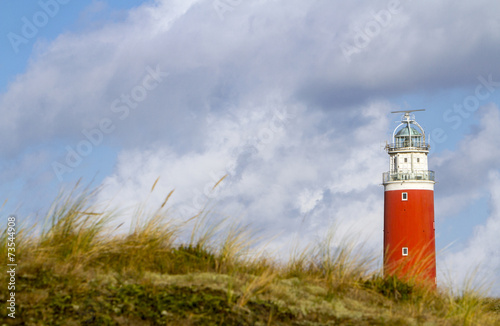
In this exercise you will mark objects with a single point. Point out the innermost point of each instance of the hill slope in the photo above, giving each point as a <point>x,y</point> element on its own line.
<point>77,272</point>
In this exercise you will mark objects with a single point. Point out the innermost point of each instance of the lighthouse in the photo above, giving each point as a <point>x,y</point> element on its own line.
<point>409,236</point>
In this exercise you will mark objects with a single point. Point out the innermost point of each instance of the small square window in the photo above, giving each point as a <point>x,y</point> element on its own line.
<point>404,196</point>
<point>418,159</point>
<point>406,160</point>
<point>405,251</point>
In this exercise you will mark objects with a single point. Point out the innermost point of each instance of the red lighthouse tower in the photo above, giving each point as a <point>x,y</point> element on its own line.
<point>409,237</point>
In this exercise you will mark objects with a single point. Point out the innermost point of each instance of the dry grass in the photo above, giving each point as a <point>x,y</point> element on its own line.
<point>78,271</point>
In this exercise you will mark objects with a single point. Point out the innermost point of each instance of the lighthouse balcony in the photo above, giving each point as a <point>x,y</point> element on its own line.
<point>404,176</point>
<point>406,146</point>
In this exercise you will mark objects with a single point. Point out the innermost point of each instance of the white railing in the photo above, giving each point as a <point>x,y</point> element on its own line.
<point>406,145</point>
<point>403,176</point>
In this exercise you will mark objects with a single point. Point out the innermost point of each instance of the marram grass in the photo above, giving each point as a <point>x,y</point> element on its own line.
<point>74,270</point>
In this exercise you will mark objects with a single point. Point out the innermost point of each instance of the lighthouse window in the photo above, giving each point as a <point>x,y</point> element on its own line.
<point>405,251</point>
<point>404,196</point>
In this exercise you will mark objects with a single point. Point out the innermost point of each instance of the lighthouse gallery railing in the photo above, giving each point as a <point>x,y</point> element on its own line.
<point>403,176</point>
<point>406,145</point>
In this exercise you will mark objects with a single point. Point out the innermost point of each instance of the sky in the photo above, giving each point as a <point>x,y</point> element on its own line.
<point>291,100</point>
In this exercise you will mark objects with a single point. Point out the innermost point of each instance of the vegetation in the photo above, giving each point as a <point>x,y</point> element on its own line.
<point>76,271</point>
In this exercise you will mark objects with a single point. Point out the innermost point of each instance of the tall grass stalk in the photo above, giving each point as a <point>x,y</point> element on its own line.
<point>72,230</point>
<point>336,260</point>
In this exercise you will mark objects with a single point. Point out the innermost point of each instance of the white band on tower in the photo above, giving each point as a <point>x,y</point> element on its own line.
<point>408,185</point>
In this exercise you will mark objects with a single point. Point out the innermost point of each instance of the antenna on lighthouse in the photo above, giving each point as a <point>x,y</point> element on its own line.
<point>407,111</point>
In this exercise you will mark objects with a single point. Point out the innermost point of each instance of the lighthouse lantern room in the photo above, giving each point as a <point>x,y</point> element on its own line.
<point>409,236</point>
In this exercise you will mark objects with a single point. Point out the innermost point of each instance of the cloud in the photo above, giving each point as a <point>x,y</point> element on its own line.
<point>284,172</point>
<point>258,48</point>
<point>481,257</point>
<point>462,173</point>
<point>466,175</point>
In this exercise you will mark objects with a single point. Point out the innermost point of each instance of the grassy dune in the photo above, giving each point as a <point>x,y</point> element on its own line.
<point>76,271</point>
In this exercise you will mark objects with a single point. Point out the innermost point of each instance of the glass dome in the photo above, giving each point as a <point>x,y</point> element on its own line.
<point>408,136</point>
<point>404,132</point>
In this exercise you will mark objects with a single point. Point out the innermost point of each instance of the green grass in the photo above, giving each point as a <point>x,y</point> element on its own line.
<point>76,271</point>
